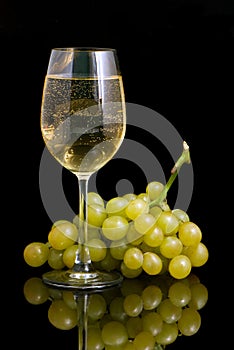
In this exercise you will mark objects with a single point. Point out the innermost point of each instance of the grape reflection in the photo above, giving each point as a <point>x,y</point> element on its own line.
<point>141,313</point>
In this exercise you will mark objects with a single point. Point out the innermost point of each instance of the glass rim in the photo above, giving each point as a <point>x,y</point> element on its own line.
<point>84,49</point>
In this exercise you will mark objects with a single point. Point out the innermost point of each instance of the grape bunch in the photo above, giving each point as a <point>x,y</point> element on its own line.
<point>142,313</point>
<point>134,234</point>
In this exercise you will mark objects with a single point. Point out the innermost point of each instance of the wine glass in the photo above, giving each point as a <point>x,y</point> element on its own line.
<point>83,123</point>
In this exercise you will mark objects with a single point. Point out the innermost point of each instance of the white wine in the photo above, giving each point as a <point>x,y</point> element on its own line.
<point>83,124</point>
<point>83,120</point>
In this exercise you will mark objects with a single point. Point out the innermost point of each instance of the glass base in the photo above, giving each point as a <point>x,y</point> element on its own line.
<point>81,280</point>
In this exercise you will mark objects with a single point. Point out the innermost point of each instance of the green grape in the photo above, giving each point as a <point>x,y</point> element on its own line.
<point>116,206</point>
<point>75,221</point>
<point>36,254</point>
<point>133,304</point>
<point>154,236</point>
<point>129,345</point>
<point>165,206</point>
<point>110,293</point>
<point>130,273</point>
<point>133,258</point>
<point>59,222</point>
<point>199,296</point>
<point>134,326</point>
<point>144,196</point>
<point>96,306</point>
<point>62,236</point>
<point>35,291</point>
<point>128,235</point>
<point>118,248</point>
<point>154,189</point>
<point>163,282</point>
<point>144,222</point>
<point>152,297</point>
<point>55,259</point>
<point>146,248</point>
<point>95,198</point>
<point>136,207</point>
<point>96,215</point>
<point>165,263</point>
<point>191,279</point>
<point>132,236</point>
<point>114,333</point>
<point>169,312</point>
<point>155,211</point>
<point>189,233</point>
<point>152,322</point>
<point>180,266</point>
<point>144,340</point>
<point>168,222</point>
<point>69,255</point>
<point>181,215</point>
<point>198,255</point>
<point>130,196</point>
<point>171,246</point>
<point>68,297</point>
<point>115,227</point>
<point>189,322</point>
<point>62,316</point>
<point>55,294</point>
<point>105,319</point>
<point>93,232</point>
<point>94,338</point>
<point>109,263</point>
<point>117,311</point>
<point>97,249</point>
<point>168,334</point>
<point>116,347</point>
<point>152,264</point>
<point>179,294</point>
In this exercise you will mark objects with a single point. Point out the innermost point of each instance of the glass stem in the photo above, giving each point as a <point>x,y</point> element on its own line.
<point>83,262</point>
<point>82,308</point>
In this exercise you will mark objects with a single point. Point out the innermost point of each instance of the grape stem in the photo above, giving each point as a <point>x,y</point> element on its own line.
<point>184,158</point>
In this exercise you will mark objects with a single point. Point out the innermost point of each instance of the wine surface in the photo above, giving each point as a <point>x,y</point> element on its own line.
<point>83,121</point>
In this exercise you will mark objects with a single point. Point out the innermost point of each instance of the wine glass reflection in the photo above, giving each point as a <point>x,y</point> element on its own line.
<point>153,311</point>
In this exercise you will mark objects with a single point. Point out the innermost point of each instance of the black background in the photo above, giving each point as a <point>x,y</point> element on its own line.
<point>176,58</point>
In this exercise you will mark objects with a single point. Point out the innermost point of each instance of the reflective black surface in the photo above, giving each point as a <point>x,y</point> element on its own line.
<point>95,309</point>
<point>184,70</point>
